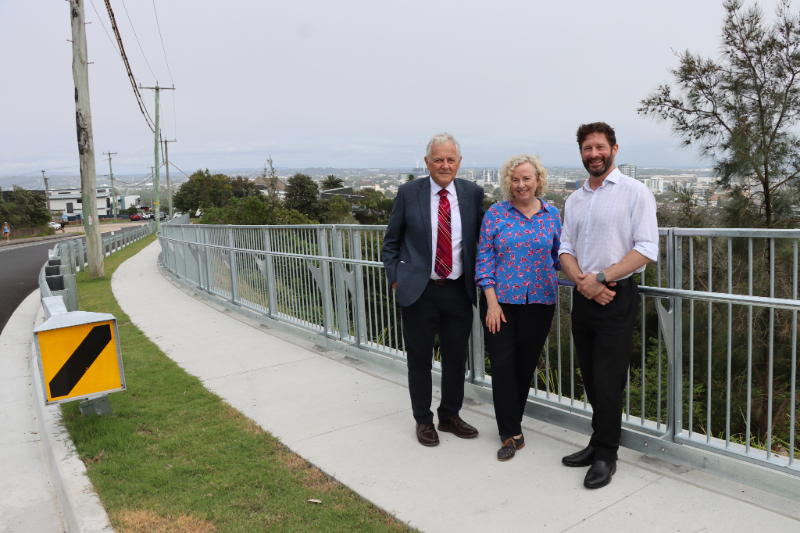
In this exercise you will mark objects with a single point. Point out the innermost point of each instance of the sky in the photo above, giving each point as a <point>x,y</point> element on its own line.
<point>349,84</point>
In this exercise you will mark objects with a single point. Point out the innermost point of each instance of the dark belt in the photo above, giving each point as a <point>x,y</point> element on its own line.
<point>445,281</point>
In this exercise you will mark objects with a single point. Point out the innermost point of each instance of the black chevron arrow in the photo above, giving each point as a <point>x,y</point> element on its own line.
<point>79,362</point>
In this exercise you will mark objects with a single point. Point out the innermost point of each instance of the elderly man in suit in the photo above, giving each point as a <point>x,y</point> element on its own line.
<point>429,254</point>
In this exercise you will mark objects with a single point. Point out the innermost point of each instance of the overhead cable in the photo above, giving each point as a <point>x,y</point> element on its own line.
<point>113,44</point>
<point>162,43</point>
<point>136,92</point>
<point>137,38</point>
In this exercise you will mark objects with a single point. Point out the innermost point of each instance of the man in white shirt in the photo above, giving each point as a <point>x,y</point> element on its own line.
<point>610,232</point>
<point>429,252</point>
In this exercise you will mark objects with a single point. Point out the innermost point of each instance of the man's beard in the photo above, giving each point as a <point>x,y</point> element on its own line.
<point>607,162</point>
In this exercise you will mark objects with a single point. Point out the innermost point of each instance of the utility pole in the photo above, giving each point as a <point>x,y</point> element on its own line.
<point>83,121</point>
<point>152,173</point>
<point>111,176</point>
<point>157,133</point>
<point>47,195</point>
<point>169,187</point>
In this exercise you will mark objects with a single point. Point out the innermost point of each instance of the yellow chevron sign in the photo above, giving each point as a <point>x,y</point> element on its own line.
<point>79,360</point>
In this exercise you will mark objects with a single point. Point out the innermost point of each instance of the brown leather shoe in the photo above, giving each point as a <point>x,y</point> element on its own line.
<point>458,427</point>
<point>426,435</point>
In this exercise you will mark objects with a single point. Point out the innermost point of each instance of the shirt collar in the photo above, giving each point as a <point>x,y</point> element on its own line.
<point>614,177</point>
<point>509,205</point>
<point>435,188</point>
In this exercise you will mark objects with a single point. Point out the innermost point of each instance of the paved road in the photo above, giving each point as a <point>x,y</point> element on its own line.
<point>19,273</point>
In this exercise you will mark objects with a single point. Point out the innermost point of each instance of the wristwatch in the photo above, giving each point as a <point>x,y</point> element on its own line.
<point>601,277</point>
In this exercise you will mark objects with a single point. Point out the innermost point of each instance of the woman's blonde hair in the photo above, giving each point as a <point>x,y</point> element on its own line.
<point>511,165</point>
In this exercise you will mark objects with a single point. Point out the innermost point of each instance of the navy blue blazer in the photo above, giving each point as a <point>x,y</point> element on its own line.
<point>408,248</point>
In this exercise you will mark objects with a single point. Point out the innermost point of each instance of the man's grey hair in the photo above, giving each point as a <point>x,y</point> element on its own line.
<point>440,139</point>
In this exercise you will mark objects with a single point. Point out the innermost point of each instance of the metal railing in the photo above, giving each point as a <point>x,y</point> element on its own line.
<point>57,275</point>
<point>329,280</point>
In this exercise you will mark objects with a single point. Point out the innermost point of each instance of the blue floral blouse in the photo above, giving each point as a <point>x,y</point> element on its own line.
<point>518,256</point>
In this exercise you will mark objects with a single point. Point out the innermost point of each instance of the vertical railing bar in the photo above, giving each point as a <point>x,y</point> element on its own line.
<point>730,347</point>
<point>793,397</point>
<point>558,338</point>
<point>307,281</point>
<point>749,343</point>
<point>644,355</point>
<point>708,390</point>
<point>658,336</point>
<point>771,346</point>
<point>691,338</point>
<point>571,363</point>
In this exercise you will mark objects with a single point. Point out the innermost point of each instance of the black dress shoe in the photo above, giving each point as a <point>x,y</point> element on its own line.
<point>458,427</point>
<point>426,435</point>
<point>510,447</point>
<point>585,457</point>
<point>599,475</point>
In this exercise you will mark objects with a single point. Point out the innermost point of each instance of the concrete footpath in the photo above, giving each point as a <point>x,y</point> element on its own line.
<point>353,421</point>
<point>43,483</point>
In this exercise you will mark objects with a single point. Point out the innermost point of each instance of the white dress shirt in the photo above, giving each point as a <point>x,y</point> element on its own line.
<point>602,226</point>
<point>455,228</point>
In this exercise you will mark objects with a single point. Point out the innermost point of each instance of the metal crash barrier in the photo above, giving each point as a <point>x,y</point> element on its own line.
<point>713,373</point>
<point>78,352</point>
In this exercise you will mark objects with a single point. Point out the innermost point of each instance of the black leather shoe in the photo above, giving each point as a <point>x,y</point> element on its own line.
<point>458,427</point>
<point>585,457</point>
<point>510,447</point>
<point>599,475</point>
<point>426,435</point>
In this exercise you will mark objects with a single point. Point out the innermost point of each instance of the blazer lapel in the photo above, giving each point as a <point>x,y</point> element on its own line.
<point>465,211</point>
<point>424,193</point>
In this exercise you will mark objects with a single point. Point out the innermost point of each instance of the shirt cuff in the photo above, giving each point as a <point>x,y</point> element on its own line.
<point>647,249</point>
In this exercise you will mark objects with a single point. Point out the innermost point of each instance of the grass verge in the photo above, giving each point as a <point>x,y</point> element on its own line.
<point>173,457</point>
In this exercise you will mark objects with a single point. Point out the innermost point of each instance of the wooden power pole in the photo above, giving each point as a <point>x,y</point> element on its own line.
<point>83,122</point>
<point>169,186</point>
<point>47,195</point>
<point>111,177</point>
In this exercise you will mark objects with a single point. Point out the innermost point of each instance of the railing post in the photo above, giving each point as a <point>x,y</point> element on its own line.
<point>360,320</point>
<point>477,368</point>
<point>234,273</point>
<point>341,288</point>
<point>272,292</point>
<point>327,292</point>
<point>676,366</point>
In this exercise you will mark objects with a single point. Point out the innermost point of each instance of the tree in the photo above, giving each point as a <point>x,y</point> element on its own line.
<point>203,190</point>
<point>376,207</point>
<point>243,187</point>
<point>411,177</point>
<point>331,182</point>
<point>741,111</point>
<point>338,211</point>
<point>302,194</point>
<point>24,209</point>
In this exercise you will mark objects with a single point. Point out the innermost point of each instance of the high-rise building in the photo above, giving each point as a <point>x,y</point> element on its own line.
<point>628,169</point>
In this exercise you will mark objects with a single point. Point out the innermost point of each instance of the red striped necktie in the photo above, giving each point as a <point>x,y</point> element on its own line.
<point>444,243</point>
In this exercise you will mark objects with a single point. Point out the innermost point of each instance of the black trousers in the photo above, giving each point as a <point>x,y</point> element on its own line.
<point>445,309</point>
<point>514,352</point>
<point>603,337</point>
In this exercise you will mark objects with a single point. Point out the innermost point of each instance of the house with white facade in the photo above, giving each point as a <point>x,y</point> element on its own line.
<point>70,202</point>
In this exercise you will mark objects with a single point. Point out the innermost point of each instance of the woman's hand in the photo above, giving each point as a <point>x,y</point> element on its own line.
<point>494,313</point>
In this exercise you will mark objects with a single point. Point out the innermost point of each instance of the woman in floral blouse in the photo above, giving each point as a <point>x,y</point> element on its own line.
<point>516,271</point>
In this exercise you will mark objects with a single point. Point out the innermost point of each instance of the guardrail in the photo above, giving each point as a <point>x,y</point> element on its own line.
<point>57,275</point>
<point>328,281</point>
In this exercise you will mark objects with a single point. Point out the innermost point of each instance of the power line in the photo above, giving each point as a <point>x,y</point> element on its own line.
<point>113,44</point>
<point>136,92</point>
<point>137,38</point>
<point>179,170</point>
<point>162,43</point>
